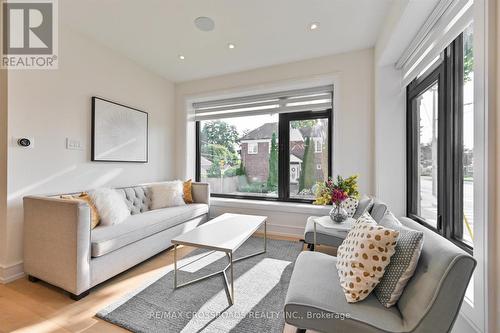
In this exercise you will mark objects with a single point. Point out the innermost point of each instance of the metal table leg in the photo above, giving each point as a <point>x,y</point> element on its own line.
<point>232,279</point>
<point>175,266</point>
<point>231,260</point>
<point>314,242</point>
<point>265,236</point>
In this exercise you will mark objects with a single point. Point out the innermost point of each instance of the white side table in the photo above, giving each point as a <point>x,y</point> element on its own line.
<point>326,222</point>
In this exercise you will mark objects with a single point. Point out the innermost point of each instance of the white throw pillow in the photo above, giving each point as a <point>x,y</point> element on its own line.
<point>167,194</point>
<point>110,205</point>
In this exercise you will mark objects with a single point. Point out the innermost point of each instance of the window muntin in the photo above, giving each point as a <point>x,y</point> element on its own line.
<point>253,148</point>
<point>318,145</point>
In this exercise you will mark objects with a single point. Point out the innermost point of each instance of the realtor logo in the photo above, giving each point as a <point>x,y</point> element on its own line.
<point>29,34</point>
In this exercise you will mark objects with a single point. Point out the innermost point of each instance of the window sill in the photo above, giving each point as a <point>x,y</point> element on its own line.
<point>276,206</point>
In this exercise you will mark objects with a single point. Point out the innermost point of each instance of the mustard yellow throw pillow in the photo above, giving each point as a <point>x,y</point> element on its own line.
<point>187,191</point>
<point>363,257</point>
<point>94,214</point>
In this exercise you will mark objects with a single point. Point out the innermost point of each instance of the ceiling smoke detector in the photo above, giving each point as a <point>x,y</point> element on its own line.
<point>204,23</point>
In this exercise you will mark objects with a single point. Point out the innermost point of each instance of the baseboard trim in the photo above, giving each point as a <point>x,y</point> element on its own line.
<point>9,273</point>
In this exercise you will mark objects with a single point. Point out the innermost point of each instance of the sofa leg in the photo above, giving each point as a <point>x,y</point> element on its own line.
<point>300,330</point>
<point>33,279</point>
<point>311,247</point>
<point>79,297</point>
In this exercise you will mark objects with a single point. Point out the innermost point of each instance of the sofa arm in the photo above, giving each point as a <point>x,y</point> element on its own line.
<point>201,193</point>
<point>57,242</point>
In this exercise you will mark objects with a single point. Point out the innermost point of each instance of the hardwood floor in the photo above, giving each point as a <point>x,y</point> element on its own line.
<point>41,308</point>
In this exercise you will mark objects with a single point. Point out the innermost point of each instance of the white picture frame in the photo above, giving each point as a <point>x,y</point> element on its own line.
<point>119,132</point>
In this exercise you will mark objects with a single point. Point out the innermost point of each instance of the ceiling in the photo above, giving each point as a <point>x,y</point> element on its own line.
<point>266,32</point>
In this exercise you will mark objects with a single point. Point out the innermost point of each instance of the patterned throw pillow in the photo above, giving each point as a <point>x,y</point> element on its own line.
<point>350,205</point>
<point>363,257</point>
<point>403,262</point>
<point>94,214</point>
<point>187,191</point>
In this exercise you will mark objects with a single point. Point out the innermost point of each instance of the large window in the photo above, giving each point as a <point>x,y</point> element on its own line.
<point>280,155</point>
<point>440,144</point>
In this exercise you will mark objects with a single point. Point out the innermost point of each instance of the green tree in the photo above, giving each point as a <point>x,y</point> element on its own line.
<point>468,41</point>
<point>307,179</point>
<point>215,152</point>
<point>304,123</point>
<point>272,178</point>
<point>241,170</point>
<point>214,171</point>
<point>219,132</point>
<point>324,158</point>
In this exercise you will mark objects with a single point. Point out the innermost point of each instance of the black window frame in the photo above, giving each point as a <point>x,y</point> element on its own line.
<point>283,155</point>
<point>448,73</point>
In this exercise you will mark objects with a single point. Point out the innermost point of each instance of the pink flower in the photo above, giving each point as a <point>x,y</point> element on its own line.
<point>338,196</point>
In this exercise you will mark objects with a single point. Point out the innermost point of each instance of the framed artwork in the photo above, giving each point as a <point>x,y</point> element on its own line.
<point>119,132</point>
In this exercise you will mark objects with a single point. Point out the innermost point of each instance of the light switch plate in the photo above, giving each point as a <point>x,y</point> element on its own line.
<point>74,144</point>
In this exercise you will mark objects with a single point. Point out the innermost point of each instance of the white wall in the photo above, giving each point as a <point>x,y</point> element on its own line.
<point>390,139</point>
<point>3,157</point>
<point>3,164</point>
<point>51,105</point>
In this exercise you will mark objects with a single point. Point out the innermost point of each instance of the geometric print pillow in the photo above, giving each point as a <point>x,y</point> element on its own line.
<point>403,262</point>
<point>350,205</point>
<point>363,256</point>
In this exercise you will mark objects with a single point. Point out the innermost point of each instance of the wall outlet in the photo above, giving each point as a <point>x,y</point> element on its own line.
<point>74,144</point>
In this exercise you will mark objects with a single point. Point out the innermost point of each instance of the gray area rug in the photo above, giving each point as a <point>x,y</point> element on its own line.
<point>261,283</point>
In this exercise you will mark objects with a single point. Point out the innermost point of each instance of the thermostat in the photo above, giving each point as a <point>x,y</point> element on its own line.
<point>24,142</point>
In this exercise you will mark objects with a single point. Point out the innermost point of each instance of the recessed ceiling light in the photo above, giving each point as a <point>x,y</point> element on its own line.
<point>314,26</point>
<point>181,57</point>
<point>204,23</point>
<point>231,45</point>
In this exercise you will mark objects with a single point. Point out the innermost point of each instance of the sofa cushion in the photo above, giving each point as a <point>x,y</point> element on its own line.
<point>105,239</point>
<point>137,198</point>
<point>315,300</point>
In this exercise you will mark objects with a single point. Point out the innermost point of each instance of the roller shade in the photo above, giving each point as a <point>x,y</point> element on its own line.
<point>310,99</point>
<point>447,21</point>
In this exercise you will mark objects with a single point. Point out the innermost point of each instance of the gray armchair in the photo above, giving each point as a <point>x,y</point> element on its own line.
<point>430,302</point>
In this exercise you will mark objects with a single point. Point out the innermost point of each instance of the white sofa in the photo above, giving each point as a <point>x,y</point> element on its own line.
<point>61,249</point>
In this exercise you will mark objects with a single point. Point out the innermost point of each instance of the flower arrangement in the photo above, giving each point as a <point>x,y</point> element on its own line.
<point>336,191</point>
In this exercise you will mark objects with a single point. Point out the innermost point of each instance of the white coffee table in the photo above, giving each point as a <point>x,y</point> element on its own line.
<point>225,233</point>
